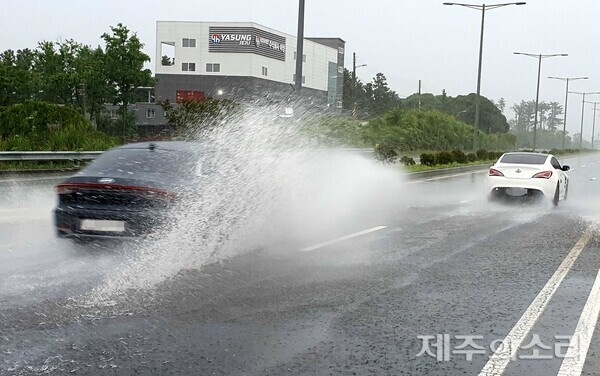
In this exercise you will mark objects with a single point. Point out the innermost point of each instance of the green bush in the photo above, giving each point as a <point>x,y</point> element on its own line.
<point>444,157</point>
<point>482,155</point>
<point>428,159</point>
<point>407,161</point>
<point>459,156</point>
<point>472,157</point>
<point>45,126</point>
<point>385,153</point>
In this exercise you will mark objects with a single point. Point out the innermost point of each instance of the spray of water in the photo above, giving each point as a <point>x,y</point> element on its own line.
<point>265,182</point>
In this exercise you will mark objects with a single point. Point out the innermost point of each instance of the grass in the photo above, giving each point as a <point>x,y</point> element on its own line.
<point>421,168</point>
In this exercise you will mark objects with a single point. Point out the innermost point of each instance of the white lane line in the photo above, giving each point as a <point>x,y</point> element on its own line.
<point>346,237</point>
<point>580,343</point>
<point>447,176</point>
<point>511,344</point>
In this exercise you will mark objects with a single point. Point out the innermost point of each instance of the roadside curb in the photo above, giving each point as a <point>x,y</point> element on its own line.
<point>447,171</point>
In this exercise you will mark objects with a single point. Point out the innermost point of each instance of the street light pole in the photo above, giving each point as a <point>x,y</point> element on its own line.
<point>583,94</point>
<point>299,47</point>
<point>594,124</point>
<point>567,79</point>
<point>537,95</point>
<point>482,8</point>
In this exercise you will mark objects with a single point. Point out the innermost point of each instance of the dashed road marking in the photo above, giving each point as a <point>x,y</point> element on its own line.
<point>511,344</point>
<point>346,237</point>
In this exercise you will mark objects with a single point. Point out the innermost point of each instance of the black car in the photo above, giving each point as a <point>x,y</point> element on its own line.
<point>127,191</point>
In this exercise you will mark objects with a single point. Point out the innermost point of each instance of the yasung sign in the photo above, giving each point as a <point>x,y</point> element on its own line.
<point>242,39</point>
<point>246,40</point>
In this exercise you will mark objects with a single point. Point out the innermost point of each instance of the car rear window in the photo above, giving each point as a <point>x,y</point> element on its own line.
<point>524,159</point>
<point>142,162</point>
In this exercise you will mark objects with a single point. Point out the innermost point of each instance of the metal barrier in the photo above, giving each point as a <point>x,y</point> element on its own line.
<point>12,156</point>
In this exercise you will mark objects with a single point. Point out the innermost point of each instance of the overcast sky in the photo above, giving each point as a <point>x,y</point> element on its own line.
<point>407,40</point>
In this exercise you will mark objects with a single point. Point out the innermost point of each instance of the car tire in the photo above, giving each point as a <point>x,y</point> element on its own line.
<point>556,196</point>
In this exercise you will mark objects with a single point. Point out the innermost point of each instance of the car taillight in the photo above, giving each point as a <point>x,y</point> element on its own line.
<point>494,172</point>
<point>65,189</point>
<point>543,175</point>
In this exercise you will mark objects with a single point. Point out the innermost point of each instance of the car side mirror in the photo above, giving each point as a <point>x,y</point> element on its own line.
<point>565,168</point>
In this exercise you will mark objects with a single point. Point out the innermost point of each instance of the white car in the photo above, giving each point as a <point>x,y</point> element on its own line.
<point>528,174</point>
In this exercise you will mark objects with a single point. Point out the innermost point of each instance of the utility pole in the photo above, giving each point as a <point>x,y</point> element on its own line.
<point>353,84</point>
<point>354,66</point>
<point>419,94</point>
<point>299,47</point>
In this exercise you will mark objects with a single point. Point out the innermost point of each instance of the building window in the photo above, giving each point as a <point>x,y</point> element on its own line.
<point>341,50</point>
<point>150,114</point>
<point>338,104</point>
<point>113,114</point>
<point>303,57</point>
<point>213,67</point>
<point>265,71</point>
<point>188,67</point>
<point>187,42</point>
<point>303,78</point>
<point>340,69</point>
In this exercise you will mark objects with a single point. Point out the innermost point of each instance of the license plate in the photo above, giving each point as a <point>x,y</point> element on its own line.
<point>516,191</point>
<point>102,225</point>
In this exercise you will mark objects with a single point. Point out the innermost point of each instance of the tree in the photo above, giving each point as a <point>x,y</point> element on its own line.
<point>384,99</point>
<point>553,123</point>
<point>124,65</point>
<point>18,82</point>
<point>166,60</point>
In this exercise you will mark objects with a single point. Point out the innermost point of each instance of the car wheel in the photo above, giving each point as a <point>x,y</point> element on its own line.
<point>556,196</point>
<point>566,192</point>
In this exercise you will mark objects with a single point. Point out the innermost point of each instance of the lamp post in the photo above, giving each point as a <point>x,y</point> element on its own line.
<point>594,124</point>
<point>482,8</point>
<point>299,47</point>
<point>567,79</point>
<point>583,94</point>
<point>593,121</point>
<point>537,95</point>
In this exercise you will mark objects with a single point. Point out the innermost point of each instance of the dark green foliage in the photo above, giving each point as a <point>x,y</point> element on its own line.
<point>471,157</point>
<point>407,161</point>
<point>444,157</point>
<point>482,154</point>
<point>429,130</point>
<point>385,153</point>
<point>46,126</point>
<point>124,65</point>
<point>459,156</point>
<point>428,159</point>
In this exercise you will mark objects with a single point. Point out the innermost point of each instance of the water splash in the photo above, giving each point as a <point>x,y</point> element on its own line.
<point>265,182</point>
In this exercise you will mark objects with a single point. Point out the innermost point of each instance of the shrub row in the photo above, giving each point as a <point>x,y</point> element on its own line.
<point>458,156</point>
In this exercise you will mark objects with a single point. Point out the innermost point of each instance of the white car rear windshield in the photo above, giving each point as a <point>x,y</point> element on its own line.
<point>524,159</point>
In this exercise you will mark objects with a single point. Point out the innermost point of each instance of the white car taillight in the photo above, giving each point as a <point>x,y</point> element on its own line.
<point>543,175</point>
<point>494,172</point>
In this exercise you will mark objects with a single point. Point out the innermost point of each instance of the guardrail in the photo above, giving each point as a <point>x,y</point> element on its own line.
<point>13,156</point>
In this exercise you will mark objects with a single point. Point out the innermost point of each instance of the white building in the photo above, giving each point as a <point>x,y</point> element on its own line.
<point>243,60</point>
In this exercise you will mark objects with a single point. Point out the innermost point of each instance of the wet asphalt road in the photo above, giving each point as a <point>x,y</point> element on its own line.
<point>447,265</point>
